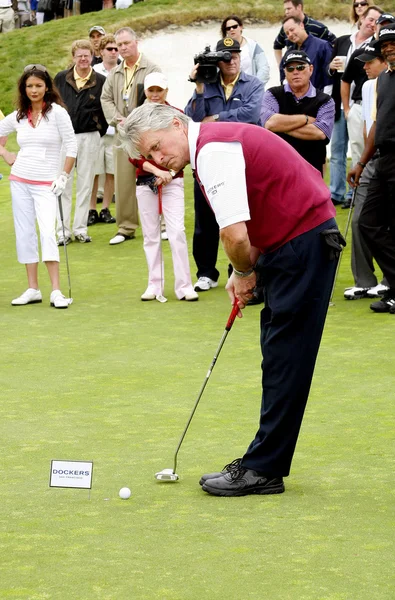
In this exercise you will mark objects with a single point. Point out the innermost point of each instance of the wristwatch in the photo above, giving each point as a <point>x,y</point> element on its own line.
<point>215,117</point>
<point>243,273</point>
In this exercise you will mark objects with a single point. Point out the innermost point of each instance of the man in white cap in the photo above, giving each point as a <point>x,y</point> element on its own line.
<point>96,33</point>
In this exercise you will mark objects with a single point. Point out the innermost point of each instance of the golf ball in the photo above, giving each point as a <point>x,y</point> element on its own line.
<point>125,493</point>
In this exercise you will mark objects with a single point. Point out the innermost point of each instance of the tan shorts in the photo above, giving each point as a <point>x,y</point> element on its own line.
<point>105,161</point>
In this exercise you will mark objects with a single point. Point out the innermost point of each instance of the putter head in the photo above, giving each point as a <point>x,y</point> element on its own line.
<point>166,475</point>
<point>162,299</point>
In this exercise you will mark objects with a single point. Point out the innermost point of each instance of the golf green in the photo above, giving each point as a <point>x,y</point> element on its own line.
<point>113,379</point>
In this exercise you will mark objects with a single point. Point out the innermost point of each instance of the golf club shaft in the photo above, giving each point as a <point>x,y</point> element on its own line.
<point>350,210</point>
<point>232,316</point>
<point>64,241</point>
<point>160,238</point>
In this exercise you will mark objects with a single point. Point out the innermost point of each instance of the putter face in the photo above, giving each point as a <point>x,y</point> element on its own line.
<point>166,475</point>
<point>161,299</point>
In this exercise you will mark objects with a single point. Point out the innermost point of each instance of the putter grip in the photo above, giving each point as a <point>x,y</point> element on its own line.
<point>232,316</point>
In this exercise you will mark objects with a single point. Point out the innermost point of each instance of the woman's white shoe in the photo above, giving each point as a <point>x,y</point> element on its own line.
<point>31,296</point>
<point>57,300</point>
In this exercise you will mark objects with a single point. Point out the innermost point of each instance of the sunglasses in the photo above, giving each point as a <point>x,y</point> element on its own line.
<point>298,68</point>
<point>356,4</point>
<point>231,27</point>
<point>111,49</point>
<point>35,68</point>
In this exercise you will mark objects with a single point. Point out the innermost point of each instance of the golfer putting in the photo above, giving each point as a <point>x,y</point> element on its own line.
<point>276,218</point>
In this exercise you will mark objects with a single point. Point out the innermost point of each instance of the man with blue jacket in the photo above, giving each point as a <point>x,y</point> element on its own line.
<point>234,97</point>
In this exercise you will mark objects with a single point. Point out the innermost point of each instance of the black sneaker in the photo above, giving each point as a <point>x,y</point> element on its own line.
<point>386,304</point>
<point>235,464</point>
<point>241,482</point>
<point>93,217</point>
<point>105,216</point>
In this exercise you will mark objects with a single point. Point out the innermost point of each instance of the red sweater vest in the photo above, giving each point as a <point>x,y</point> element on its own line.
<point>286,195</point>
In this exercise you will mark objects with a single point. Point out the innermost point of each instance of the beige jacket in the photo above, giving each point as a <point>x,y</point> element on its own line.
<point>113,104</point>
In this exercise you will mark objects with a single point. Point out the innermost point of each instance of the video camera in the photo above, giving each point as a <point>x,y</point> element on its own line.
<point>208,69</point>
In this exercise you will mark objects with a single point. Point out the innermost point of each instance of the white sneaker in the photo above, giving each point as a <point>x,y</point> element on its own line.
<point>148,295</point>
<point>355,293</point>
<point>377,291</point>
<point>191,297</point>
<point>204,283</point>
<point>31,296</point>
<point>57,300</point>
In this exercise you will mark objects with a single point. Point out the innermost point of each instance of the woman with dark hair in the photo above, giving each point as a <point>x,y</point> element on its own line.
<point>358,9</point>
<point>253,59</point>
<point>42,126</point>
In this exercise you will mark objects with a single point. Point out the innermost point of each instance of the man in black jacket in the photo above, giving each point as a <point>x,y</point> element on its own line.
<point>80,88</point>
<point>297,112</point>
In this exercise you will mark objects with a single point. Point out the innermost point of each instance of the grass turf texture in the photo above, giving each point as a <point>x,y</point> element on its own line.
<point>113,380</point>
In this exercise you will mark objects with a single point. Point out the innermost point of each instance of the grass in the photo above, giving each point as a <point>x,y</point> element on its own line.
<point>113,380</point>
<point>50,43</point>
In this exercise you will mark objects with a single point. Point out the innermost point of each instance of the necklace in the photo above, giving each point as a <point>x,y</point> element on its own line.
<point>34,118</point>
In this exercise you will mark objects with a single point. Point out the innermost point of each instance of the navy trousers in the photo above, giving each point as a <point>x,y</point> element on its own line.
<point>298,280</point>
<point>205,237</point>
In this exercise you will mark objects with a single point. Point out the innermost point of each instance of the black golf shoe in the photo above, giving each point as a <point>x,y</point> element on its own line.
<point>105,216</point>
<point>386,304</point>
<point>235,464</point>
<point>93,217</point>
<point>241,482</point>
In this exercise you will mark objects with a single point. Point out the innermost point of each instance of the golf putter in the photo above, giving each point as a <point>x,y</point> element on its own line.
<point>160,297</point>
<point>170,474</point>
<point>65,245</point>
<point>350,210</point>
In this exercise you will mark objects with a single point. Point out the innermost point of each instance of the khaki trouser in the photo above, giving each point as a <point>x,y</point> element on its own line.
<point>125,192</point>
<point>7,21</point>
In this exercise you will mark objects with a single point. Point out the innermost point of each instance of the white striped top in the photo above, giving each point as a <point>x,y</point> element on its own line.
<point>40,148</point>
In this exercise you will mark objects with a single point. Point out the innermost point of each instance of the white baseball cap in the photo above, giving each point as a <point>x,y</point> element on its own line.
<point>156,79</point>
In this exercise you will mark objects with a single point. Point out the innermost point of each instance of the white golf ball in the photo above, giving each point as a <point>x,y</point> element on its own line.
<point>125,493</point>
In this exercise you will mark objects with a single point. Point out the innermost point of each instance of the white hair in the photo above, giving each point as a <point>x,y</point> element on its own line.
<point>149,116</point>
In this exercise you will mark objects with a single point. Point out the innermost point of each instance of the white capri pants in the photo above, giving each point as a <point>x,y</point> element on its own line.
<point>31,202</point>
<point>173,213</point>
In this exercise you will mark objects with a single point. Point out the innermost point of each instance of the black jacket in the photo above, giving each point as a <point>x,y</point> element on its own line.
<point>83,105</point>
<point>342,44</point>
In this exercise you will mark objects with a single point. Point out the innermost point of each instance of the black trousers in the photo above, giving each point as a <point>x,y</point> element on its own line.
<point>205,237</point>
<point>377,219</point>
<point>298,280</point>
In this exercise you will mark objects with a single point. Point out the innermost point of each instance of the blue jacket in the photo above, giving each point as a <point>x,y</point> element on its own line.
<point>320,54</point>
<point>243,106</point>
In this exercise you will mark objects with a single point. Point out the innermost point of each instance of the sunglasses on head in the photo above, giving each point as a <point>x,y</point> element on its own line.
<point>111,49</point>
<point>231,27</point>
<point>356,4</point>
<point>298,68</point>
<point>35,68</point>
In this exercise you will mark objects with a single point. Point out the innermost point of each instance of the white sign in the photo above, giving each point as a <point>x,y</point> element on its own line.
<point>71,474</point>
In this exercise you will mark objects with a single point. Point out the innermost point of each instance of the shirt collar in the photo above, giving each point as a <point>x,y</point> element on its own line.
<point>311,92</point>
<point>79,78</point>
<point>193,134</point>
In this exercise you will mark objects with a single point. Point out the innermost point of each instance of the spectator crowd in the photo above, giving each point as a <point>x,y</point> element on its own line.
<point>331,92</point>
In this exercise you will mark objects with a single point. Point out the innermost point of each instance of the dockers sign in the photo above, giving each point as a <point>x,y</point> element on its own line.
<point>71,474</point>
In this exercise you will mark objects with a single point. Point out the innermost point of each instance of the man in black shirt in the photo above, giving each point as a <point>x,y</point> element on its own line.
<point>377,220</point>
<point>351,86</point>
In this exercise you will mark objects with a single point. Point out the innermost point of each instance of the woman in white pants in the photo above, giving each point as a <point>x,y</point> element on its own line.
<point>170,200</point>
<point>43,126</point>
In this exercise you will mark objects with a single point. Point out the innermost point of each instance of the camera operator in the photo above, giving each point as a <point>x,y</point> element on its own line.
<point>234,96</point>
